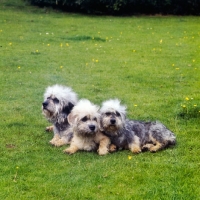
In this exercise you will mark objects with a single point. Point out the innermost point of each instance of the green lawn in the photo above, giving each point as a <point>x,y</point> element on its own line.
<point>151,63</point>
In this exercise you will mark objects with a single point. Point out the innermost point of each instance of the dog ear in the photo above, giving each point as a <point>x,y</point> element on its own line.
<point>67,109</point>
<point>123,116</point>
<point>99,120</point>
<point>71,118</point>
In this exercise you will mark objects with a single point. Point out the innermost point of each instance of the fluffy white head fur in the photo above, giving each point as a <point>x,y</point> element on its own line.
<point>113,104</point>
<point>83,108</point>
<point>62,93</point>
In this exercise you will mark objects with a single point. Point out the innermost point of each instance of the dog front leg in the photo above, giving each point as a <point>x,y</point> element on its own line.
<point>55,139</point>
<point>135,145</point>
<point>103,146</point>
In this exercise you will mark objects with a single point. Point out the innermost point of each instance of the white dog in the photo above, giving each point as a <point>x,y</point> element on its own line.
<point>58,103</point>
<point>84,119</point>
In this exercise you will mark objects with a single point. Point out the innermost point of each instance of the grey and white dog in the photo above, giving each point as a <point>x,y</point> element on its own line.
<point>58,103</point>
<point>132,134</point>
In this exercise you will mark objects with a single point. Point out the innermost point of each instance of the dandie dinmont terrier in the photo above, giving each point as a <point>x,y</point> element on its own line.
<point>131,134</point>
<point>84,119</point>
<point>58,103</point>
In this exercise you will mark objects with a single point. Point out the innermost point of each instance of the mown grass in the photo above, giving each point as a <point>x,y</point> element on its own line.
<point>151,63</point>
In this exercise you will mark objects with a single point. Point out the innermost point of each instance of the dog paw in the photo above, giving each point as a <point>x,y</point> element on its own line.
<point>112,148</point>
<point>136,150</point>
<point>153,149</point>
<point>71,150</point>
<point>49,128</point>
<point>52,142</point>
<point>68,151</point>
<point>103,151</point>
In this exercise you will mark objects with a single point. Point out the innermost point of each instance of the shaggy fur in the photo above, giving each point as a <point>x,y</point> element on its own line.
<point>131,134</point>
<point>84,119</point>
<point>58,103</point>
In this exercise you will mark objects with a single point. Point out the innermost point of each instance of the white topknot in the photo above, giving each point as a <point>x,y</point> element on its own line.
<point>113,104</point>
<point>85,107</point>
<point>64,94</point>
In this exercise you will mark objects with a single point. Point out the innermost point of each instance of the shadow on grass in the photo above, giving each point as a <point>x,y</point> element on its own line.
<point>84,38</point>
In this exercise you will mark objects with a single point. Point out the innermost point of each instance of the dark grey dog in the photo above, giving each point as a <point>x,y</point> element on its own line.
<point>131,134</point>
<point>58,103</point>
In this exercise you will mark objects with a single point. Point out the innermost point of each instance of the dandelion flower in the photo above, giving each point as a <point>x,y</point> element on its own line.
<point>184,106</point>
<point>129,157</point>
<point>61,44</point>
<point>193,60</point>
<point>186,98</point>
<point>36,51</point>
<point>161,41</point>
<point>61,67</point>
<point>96,60</point>
<point>172,65</point>
<point>133,50</point>
<point>67,44</point>
<point>48,45</point>
<point>177,68</point>
<point>135,105</point>
<point>10,43</point>
<point>195,105</point>
<point>19,67</point>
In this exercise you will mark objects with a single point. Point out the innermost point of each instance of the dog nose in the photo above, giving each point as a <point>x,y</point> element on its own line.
<point>112,121</point>
<point>92,127</point>
<point>45,104</point>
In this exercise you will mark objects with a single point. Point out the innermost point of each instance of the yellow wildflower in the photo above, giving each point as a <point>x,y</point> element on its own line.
<point>129,157</point>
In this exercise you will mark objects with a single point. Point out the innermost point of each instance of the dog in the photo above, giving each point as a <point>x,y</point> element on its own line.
<point>84,119</point>
<point>58,103</point>
<point>134,135</point>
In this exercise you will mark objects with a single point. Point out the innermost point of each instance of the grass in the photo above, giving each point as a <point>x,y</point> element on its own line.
<point>151,63</point>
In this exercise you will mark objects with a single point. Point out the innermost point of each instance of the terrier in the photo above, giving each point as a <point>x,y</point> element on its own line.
<point>84,119</point>
<point>132,134</point>
<point>58,103</point>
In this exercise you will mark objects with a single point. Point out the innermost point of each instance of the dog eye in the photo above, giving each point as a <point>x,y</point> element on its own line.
<point>118,114</point>
<point>95,119</point>
<point>84,119</point>
<point>108,113</point>
<point>55,100</point>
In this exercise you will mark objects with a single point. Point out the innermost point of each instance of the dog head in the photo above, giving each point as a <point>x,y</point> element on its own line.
<point>84,118</point>
<point>113,115</point>
<point>58,99</point>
